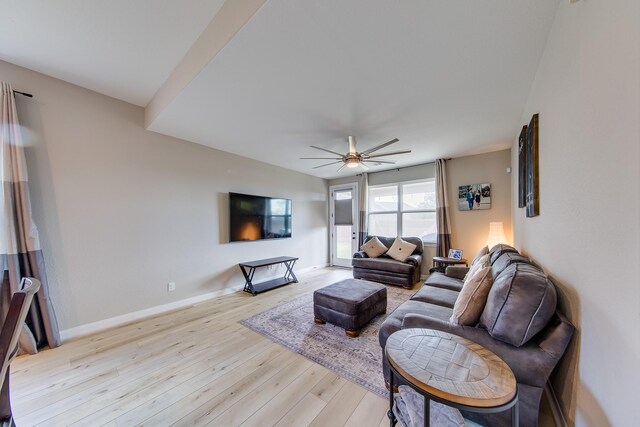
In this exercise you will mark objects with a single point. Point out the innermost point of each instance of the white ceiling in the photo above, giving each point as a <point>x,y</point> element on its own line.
<point>122,48</point>
<point>447,78</point>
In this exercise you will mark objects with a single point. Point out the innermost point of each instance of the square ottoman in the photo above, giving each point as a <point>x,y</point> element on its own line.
<point>350,304</point>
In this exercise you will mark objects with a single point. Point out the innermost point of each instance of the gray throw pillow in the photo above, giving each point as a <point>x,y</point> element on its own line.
<point>520,304</point>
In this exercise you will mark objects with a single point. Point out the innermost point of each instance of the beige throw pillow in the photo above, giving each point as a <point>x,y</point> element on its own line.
<point>484,251</point>
<point>374,248</point>
<point>401,250</point>
<point>472,298</point>
<point>479,265</point>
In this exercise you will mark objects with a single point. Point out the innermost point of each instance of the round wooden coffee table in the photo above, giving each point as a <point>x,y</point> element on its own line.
<point>451,370</point>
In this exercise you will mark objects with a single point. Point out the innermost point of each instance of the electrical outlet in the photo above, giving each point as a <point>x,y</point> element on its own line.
<point>171,286</point>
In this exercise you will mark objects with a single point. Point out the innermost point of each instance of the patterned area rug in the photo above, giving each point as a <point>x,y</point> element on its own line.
<point>356,359</point>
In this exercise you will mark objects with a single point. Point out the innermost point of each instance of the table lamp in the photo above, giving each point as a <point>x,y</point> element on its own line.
<point>496,234</point>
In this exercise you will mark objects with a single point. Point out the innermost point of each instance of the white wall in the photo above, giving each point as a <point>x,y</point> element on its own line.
<point>122,211</point>
<point>587,92</point>
<point>471,228</point>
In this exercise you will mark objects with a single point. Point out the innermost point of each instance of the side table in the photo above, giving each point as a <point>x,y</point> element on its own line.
<point>450,370</point>
<point>441,262</point>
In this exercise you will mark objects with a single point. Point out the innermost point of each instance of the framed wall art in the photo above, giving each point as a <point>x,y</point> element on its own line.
<point>532,190</point>
<point>473,197</point>
<point>522,168</point>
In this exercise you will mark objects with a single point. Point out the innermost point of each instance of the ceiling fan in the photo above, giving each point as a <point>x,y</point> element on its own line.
<point>353,159</point>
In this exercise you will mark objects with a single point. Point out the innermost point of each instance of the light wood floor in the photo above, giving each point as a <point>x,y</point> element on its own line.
<point>195,366</point>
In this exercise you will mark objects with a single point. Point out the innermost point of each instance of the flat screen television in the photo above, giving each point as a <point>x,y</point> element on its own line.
<point>258,218</point>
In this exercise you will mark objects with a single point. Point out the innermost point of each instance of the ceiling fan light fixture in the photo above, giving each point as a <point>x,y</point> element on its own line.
<point>353,159</point>
<point>352,163</point>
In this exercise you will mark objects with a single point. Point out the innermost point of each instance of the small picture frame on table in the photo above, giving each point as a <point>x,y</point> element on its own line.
<point>455,253</point>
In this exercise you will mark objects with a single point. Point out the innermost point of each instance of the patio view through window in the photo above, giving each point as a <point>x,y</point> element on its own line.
<point>403,209</point>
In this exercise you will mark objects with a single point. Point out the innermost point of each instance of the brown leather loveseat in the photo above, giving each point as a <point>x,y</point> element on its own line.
<point>387,270</point>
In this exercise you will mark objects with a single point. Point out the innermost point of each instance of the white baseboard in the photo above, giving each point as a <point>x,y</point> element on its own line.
<point>101,325</point>
<point>313,267</point>
<point>112,322</point>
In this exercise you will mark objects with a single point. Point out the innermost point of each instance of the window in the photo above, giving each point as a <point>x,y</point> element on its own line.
<point>403,209</point>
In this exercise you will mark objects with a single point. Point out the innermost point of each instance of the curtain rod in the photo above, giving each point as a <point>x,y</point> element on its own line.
<point>405,167</point>
<point>28,95</point>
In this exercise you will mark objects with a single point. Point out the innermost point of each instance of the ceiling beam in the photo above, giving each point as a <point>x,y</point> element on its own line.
<point>233,15</point>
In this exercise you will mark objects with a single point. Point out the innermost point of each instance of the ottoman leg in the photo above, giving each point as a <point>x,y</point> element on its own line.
<point>352,333</point>
<point>319,321</point>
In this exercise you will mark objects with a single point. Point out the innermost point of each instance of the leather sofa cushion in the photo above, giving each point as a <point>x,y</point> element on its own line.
<point>519,305</point>
<point>393,323</point>
<point>457,272</point>
<point>438,296</point>
<point>440,280</point>
<point>383,263</point>
<point>505,260</point>
<point>498,250</point>
<point>405,280</point>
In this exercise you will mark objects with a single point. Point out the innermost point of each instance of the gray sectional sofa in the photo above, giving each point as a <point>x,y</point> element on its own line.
<point>387,270</point>
<point>520,323</point>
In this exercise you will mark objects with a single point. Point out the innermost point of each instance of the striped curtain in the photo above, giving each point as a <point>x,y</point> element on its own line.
<point>20,253</point>
<point>363,197</point>
<point>443,223</point>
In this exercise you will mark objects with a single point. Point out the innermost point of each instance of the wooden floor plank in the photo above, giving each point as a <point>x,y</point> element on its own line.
<point>303,413</point>
<point>259,396</point>
<point>340,407</point>
<point>275,407</point>
<point>196,365</point>
<point>219,395</point>
<point>266,352</point>
<point>369,411</point>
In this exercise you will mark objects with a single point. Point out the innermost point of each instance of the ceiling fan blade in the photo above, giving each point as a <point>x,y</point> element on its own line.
<point>393,153</point>
<point>363,166</point>
<point>320,158</point>
<point>328,151</point>
<point>380,161</point>
<point>332,163</point>
<point>341,167</point>
<point>376,148</point>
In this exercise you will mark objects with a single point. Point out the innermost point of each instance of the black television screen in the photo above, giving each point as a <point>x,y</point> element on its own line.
<point>257,218</point>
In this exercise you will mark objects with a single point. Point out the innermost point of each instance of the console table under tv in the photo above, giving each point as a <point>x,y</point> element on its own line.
<point>249,269</point>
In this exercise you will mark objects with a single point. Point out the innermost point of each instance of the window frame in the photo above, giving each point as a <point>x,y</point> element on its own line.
<point>399,211</point>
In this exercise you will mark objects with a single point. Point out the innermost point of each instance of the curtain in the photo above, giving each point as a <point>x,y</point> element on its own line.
<point>20,253</point>
<point>443,223</point>
<point>363,197</point>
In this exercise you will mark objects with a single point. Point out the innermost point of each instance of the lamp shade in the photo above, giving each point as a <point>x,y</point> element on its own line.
<point>496,234</point>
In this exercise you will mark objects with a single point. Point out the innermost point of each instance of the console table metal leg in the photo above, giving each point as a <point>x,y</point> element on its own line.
<point>289,274</point>
<point>248,277</point>
<point>427,411</point>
